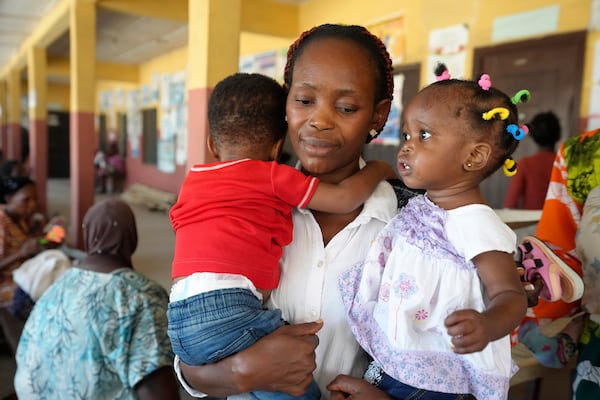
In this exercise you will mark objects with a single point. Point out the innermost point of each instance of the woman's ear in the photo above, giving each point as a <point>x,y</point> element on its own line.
<point>380,114</point>
<point>478,156</point>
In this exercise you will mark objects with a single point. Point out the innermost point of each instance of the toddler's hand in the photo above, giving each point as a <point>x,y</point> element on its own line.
<point>468,331</point>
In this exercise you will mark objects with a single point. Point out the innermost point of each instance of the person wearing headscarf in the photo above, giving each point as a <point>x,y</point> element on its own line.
<point>101,324</point>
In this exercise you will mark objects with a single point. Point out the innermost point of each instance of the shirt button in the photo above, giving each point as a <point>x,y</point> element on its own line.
<point>313,313</point>
<point>320,264</point>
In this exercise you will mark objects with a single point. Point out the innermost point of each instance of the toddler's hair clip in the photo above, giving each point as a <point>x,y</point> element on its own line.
<point>502,112</point>
<point>518,132</point>
<point>441,72</point>
<point>522,96</point>
<point>485,82</point>
<point>510,167</point>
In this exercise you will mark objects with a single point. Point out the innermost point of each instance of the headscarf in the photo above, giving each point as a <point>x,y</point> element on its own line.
<point>109,228</point>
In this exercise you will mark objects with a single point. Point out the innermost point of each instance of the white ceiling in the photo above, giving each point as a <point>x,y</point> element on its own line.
<point>128,39</point>
<point>17,20</point>
<point>120,38</point>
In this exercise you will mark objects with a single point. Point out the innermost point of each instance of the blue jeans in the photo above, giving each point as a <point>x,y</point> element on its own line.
<point>210,326</point>
<point>400,391</point>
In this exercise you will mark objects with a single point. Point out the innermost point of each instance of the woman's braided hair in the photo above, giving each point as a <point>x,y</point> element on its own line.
<point>378,55</point>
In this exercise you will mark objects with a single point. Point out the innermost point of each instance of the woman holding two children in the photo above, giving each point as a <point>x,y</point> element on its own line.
<point>340,87</point>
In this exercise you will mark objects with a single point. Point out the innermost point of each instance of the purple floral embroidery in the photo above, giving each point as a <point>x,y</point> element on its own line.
<point>421,315</point>
<point>405,286</point>
<point>384,293</point>
<point>387,243</point>
<point>381,259</point>
<point>421,223</point>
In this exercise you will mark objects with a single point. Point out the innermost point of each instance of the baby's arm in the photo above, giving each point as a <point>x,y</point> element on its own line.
<point>352,192</point>
<point>471,331</point>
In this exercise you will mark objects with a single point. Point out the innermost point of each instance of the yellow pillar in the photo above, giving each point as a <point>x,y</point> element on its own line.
<point>38,129</point>
<point>3,111</point>
<point>213,43</point>
<point>82,131</point>
<point>13,127</point>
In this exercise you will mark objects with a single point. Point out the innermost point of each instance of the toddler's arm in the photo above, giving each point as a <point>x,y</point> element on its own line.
<point>353,191</point>
<point>471,331</point>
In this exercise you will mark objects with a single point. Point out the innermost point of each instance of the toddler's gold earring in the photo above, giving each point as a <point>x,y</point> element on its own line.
<point>373,133</point>
<point>469,165</point>
<point>286,118</point>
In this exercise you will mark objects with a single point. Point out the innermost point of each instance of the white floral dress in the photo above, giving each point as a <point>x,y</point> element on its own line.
<point>418,271</point>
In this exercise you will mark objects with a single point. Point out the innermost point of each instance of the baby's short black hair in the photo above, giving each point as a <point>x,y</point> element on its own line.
<point>545,129</point>
<point>247,109</point>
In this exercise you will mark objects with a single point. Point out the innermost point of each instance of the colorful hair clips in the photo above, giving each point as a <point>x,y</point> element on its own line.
<point>501,112</point>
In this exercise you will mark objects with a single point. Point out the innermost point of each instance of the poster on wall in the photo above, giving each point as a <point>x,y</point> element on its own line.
<point>173,123</point>
<point>119,97</point>
<point>181,136</point>
<point>390,30</point>
<point>448,46</point>
<point>165,83</point>
<point>391,131</point>
<point>134,131</point>
<point>266,63</point>
<point>134,122</point>
<point>177,91</point>
<point>166,155</point>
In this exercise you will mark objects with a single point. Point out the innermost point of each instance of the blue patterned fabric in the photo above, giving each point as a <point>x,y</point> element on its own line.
<point>93,336</point>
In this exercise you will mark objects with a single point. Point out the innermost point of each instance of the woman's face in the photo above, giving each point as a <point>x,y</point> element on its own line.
<point>24,202</point>
<point>330,107</point>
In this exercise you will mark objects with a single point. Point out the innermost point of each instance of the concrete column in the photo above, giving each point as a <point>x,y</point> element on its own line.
<point>13,126</point>
<point>83,85</point>
<point>213,43</point>
<point>3,117</point>
<point>38,129</point>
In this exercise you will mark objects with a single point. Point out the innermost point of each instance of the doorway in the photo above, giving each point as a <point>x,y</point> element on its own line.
<point>58,144</point>
<point>551,68</point>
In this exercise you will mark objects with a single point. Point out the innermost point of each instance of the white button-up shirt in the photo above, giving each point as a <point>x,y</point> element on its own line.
<point>308,289</point>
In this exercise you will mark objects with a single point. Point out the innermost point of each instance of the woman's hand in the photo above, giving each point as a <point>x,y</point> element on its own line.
<point>282,361</point>
<point>30,248</point>
<point>346,387</point>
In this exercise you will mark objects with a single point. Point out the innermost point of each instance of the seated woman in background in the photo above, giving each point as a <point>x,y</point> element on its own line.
<point>19,236</point>
<point>12,168</point>
<point>527,189</point>
<point>101,324</point>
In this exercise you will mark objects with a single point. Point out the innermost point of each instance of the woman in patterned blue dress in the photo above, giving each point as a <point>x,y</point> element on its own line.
<point>100,331</point>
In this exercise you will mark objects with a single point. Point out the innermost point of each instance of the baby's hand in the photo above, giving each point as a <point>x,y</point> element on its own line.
<point>468,331</point>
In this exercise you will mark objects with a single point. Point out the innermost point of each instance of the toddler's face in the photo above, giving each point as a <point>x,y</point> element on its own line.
<point>433,147</point>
